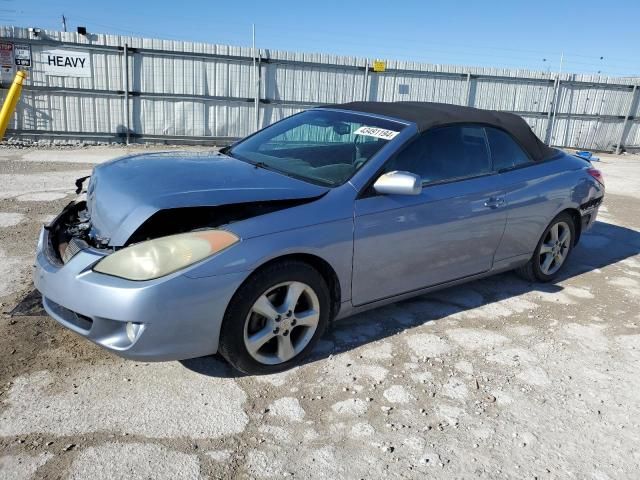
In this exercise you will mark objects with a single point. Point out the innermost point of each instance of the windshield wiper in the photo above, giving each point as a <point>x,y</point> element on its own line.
<point>266,166</point>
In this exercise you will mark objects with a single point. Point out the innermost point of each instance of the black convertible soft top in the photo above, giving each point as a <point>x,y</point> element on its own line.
<point>427,115</point>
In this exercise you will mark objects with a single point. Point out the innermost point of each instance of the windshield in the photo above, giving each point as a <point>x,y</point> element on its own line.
<point>319,146</point>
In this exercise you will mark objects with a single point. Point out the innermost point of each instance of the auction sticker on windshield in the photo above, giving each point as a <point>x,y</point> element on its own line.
<point>376,132</point>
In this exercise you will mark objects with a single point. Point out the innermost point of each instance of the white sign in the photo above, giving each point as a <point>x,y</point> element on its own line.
<point>66,63</point>
<point>22,54</point>
<point>376,132</point>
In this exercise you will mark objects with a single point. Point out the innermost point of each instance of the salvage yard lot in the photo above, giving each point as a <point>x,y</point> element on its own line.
<point>493,379</point>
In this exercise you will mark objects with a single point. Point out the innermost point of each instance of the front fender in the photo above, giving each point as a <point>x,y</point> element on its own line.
<point>331,241</point>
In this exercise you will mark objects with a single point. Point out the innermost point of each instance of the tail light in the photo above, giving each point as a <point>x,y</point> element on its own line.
<point>597,174</point>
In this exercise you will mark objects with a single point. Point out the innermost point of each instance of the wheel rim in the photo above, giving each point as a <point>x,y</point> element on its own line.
<point>555,248</point>
<point>281,322</point>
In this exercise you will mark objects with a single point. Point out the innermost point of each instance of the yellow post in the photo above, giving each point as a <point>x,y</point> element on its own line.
<point>9,105</point>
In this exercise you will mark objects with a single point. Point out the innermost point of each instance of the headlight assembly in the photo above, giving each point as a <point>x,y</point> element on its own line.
<point>162,256</point>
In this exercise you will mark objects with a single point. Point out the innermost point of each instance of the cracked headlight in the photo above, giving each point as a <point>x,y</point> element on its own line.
<point>162,256</point>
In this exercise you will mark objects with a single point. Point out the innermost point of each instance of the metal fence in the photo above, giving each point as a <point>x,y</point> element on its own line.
<point>162,90</point>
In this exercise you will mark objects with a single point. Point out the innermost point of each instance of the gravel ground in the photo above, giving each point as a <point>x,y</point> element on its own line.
<point>493,379</point>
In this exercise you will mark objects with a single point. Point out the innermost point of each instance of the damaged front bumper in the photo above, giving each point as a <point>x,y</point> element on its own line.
<point>170,318</point>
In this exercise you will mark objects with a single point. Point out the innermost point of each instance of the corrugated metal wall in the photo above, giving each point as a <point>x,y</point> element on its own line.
<point>195,91</point>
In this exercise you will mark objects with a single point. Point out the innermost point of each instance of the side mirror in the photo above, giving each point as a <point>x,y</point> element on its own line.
<point>398,183</point>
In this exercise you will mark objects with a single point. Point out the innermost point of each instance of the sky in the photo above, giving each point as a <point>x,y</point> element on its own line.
<point>592,36</point>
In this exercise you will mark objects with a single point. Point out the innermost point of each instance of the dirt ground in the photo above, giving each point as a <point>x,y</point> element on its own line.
<point>493,379</point>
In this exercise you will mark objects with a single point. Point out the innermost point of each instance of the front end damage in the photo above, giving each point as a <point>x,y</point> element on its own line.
<point>172,221</point>
<point>71,231</point>
<point>168,318</point>
<point>129,204</point>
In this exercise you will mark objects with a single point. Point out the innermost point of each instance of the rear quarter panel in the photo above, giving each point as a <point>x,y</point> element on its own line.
<point>536,194</point>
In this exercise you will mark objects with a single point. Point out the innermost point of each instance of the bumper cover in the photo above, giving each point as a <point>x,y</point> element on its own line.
<point>179,317</point>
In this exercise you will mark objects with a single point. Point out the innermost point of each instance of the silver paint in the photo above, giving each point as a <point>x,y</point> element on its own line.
<point>280,321</point>
<point>382,248</point>
<point>398,183</point>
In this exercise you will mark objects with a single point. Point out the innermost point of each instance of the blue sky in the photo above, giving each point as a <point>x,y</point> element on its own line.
<point>526,34</point>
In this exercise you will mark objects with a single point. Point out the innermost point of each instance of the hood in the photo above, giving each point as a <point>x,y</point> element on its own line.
<point>125,192</point>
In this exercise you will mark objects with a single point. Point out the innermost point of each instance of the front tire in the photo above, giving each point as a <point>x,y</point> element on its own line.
<point>275,318</point>
<point>552,251</point>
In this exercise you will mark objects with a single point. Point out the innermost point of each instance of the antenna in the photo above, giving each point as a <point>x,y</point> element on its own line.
<point>64,23</point>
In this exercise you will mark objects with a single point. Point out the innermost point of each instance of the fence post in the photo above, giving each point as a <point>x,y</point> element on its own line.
<point>125,82</point>
<point>468,101</point>
<point>623,134</point>
<point>257,70</point>
<point>256,90</point>
<point>365,84</point>
<point>551,115</point>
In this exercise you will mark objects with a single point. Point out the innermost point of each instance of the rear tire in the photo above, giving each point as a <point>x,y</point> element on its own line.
<point>275,318</point>
<point>552,251</point>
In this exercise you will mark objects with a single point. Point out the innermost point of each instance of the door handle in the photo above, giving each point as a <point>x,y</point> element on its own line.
<point>494,202</point>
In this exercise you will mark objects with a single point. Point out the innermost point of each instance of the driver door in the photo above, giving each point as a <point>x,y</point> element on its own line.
<point>449,231</point>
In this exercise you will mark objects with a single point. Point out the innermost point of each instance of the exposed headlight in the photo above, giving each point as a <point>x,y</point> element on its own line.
<point>162,256</point>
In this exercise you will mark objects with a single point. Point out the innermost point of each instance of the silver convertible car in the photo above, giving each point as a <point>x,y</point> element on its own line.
<point>252,251</point>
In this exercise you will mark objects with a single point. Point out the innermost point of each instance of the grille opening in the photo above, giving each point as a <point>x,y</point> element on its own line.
<point>81,321</point>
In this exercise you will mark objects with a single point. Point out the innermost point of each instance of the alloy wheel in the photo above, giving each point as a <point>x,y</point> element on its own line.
<point>281,322</point>
<point>555,248</point>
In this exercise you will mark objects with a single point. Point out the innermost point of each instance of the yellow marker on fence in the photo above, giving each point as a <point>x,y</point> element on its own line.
<point>379,66</point>
<point>9,105</point>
